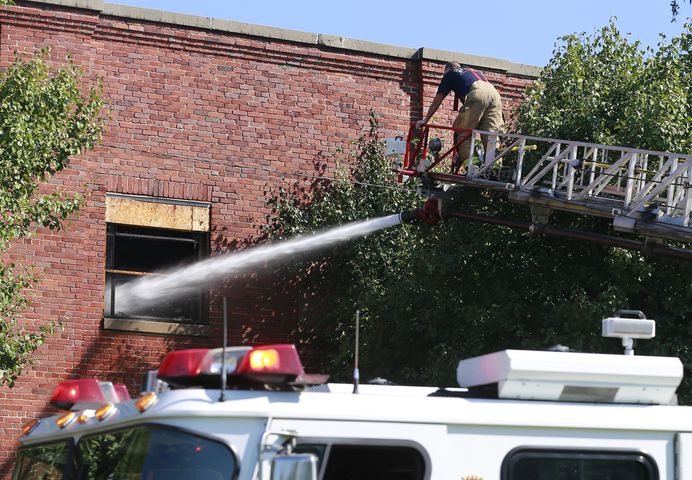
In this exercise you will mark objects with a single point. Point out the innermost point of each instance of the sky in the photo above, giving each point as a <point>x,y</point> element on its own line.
<point>521,32</point>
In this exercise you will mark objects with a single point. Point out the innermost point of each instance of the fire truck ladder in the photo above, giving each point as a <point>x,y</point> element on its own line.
<point>644,192</point>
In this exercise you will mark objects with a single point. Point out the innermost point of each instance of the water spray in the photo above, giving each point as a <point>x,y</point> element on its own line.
<point>189,279</point>
<point>184,281</point>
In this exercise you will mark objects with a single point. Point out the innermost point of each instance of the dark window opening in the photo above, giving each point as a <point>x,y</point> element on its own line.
<point>152,253</point>
<point>133,252</point>
<point>530,464</point>
<point>368,462</point>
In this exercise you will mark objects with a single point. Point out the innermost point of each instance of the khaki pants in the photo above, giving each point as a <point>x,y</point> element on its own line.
<point>482,110</point>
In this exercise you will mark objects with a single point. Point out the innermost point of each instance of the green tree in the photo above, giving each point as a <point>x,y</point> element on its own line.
<point>675,9</point>
<point>45,118</point>
<point>429,296</point>
<point>336,279</point>
<point>647,105</point>
<point>605,89</point>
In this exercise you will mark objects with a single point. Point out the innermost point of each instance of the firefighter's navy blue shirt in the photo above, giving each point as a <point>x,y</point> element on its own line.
<point>459,80</point>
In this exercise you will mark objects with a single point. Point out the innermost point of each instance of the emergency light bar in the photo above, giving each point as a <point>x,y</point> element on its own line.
<point>87,394</point>
<point>574,377</point>
<point>266,365</point>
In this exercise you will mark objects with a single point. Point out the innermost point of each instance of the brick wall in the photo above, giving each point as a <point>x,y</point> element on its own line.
<point>211,114</point>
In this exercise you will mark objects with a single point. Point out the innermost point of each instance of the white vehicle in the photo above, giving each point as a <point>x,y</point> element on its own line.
<point>518,415</point>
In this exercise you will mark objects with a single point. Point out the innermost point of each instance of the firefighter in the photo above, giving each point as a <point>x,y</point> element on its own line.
<point>481,104</point>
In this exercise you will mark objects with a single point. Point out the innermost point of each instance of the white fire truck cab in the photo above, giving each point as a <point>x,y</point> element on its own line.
<point>517,415</point>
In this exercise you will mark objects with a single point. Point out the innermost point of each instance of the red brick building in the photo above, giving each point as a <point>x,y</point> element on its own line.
<point>205,114</point>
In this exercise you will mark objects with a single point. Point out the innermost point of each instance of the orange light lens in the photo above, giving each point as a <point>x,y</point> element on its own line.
<point>261,359</point>
<point>29,426</point>
<point>276,364</point>
<point>65,420</point>
<point>146,401</point>
<point>104,412</point>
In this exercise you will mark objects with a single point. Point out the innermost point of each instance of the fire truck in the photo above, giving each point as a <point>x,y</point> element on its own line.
<point>253,413</point>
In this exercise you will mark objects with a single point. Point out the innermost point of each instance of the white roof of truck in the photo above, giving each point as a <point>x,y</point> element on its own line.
<point>377,403</point>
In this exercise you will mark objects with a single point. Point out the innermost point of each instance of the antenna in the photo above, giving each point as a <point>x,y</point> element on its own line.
<point>356,373</point>
<point>222,397</point>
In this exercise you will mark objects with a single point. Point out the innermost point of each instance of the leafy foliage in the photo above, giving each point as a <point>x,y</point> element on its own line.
<point>647,104</point>
<point>429,296</point>
<point>45,118</point>
<point>675,9</point>
<point>604,89</point>
<point>335,281</point>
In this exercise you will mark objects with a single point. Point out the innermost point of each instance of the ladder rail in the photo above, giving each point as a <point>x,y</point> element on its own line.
<point>574,142</point>
<point>643,191</point>
<point>658,184</point>
<point>605,177</point>
<point>635,180</point>
<point>687,212</point>
<point>537,173</point>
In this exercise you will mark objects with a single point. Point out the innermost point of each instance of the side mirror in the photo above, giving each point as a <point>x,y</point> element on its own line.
<point>294,467</point>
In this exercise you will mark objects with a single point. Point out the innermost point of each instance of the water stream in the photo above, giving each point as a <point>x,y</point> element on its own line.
<point>178,283</point>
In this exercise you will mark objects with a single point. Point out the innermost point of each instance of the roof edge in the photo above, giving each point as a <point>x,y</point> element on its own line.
<point>96,5</point>
<point>325,40</point>
<point>479,61</point>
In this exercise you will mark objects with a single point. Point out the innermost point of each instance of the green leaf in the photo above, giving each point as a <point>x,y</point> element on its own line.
<point>45,119</point>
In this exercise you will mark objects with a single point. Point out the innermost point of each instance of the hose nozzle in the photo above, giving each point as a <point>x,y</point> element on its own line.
<point>408,216</point>
<point>428,214</point>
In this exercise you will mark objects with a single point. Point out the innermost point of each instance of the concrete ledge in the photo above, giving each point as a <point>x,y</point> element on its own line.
<point>160,328</point>
<point>478,61</point>
<point>208,23</point>
<point>365,46</point>
<point>331,41</point>
<point>96,5</point>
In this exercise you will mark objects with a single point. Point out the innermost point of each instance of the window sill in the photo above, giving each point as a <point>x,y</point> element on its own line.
<point>161,328</point>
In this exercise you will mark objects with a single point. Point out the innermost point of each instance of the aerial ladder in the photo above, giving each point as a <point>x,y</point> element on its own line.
<point>644,192</point>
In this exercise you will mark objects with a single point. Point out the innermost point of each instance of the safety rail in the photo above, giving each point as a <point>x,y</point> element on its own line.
<point>644,191</point>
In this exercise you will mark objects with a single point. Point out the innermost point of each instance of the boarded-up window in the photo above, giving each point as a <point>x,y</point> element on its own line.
<point>146,238</point>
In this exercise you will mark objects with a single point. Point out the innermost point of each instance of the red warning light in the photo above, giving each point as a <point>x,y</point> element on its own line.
<point>183,363</point>
<point>83,392</point>
<point>270,364</point>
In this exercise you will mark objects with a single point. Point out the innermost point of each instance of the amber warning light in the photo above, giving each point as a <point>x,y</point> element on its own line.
<point>277,366</point>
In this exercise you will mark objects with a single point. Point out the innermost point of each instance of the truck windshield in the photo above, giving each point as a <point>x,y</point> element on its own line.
<point>152,453</point>
<point>44,462</point>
